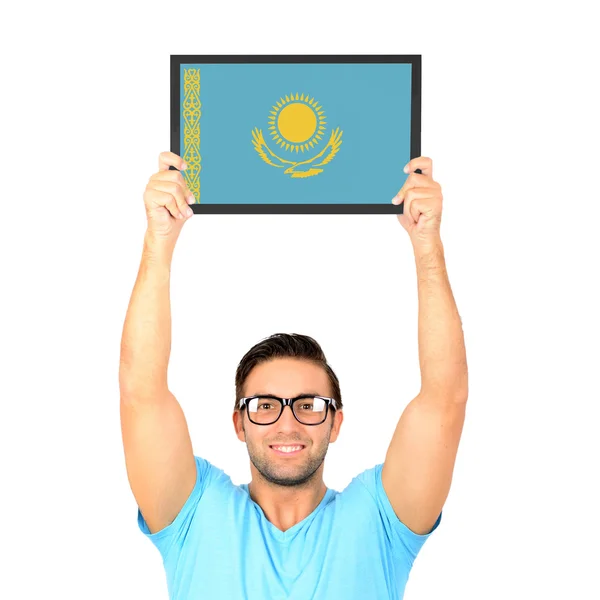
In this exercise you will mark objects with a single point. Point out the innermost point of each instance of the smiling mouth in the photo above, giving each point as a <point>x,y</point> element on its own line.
<point>288,450</point>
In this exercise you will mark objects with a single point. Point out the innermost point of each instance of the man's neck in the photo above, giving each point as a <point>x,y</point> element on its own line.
<point>284,506</point>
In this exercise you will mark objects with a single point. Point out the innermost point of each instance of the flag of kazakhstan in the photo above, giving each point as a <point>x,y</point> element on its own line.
<point>307,133</point>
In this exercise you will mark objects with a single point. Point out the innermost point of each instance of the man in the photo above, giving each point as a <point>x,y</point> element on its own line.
<point>285,535</point>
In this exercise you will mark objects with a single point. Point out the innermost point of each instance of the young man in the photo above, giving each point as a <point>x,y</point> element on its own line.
<point>285,535</point>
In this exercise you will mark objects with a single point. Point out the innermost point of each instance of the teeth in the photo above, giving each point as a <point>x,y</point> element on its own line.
<point>287,448</point>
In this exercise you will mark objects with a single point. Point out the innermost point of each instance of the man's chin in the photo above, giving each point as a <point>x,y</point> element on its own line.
<point>285,473</point>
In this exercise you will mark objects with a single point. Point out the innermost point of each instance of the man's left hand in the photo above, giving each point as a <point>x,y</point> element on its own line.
<point>422,197</point>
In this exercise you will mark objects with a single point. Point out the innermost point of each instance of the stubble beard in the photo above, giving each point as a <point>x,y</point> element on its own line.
<point>288,472</point>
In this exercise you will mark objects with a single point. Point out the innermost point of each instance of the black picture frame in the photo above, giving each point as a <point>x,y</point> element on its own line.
<point>351,208</point>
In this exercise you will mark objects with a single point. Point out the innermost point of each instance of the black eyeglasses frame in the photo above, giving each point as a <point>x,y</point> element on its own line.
<point>289,402</point>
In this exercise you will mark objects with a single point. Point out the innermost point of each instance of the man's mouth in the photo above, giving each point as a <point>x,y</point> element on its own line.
<point>287,450</point>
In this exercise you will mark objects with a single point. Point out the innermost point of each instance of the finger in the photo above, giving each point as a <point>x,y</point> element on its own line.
<point>414,180</point>
<point>175,177</point>
<point>172,198</point>
<point>408,216</point>
<point>405,221</point>
<point>170,159</point>
<point>422,162</point>
<point>421,195</point>
<point>417,180</point>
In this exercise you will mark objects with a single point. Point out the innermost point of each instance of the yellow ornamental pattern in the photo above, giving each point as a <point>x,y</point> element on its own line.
<point>191,130</point>
<point>297,124</point>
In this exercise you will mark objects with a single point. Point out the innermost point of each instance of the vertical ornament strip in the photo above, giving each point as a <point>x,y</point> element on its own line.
<point>191,130</point>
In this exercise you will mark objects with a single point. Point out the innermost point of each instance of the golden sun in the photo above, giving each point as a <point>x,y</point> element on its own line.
<point>297,123</point>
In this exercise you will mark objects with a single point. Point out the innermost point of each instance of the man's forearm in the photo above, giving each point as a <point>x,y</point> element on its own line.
<point>442,355</point>
<point>146,340</point>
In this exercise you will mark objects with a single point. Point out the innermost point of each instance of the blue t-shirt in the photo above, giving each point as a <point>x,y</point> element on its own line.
<point>221,545</point>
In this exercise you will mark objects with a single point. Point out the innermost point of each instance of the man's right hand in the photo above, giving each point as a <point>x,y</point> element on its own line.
<point>166,199</point>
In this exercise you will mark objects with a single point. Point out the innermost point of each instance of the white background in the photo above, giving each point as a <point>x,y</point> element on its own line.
<point>510,119</point>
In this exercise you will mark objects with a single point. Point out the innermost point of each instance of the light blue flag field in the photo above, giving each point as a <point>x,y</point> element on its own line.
<point>295,134</point>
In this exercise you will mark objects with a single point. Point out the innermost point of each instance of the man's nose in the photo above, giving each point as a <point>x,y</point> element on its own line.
<point>287,417</point>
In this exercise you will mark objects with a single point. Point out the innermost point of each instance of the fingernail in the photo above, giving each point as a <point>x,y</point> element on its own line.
<point>406,169</point>
<point>191,199</point>
<point>395,200</point>
<point>190,212</point>
<point>183,166</point>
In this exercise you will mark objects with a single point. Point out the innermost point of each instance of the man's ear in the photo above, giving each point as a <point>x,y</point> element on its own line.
<point>238,425</point>
<point>338,418</point>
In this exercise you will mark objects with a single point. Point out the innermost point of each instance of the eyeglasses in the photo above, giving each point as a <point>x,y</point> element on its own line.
<point>266,409</point>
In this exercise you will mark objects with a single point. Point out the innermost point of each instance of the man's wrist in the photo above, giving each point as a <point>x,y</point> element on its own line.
<point>429,252</point>
<point>158,249</point>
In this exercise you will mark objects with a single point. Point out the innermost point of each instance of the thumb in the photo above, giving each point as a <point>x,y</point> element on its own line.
<point>418,208</point>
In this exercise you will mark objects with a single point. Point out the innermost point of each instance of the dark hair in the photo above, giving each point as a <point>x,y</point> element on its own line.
<point>285,345</point>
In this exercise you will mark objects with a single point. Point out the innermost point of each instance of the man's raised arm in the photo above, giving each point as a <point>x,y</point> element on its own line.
<point>419,464</point>
<point>158,451</point>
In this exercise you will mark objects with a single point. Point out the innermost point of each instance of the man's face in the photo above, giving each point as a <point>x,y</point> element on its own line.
<point>287,378</point>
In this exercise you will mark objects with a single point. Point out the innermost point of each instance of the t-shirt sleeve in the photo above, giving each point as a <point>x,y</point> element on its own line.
<point>405,542</point>
<point>176,531</point>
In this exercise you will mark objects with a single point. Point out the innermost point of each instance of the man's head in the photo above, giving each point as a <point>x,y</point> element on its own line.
<point>287,365</point>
